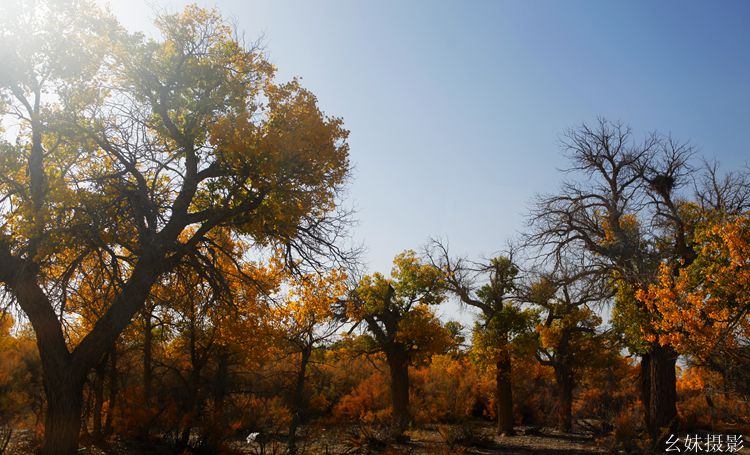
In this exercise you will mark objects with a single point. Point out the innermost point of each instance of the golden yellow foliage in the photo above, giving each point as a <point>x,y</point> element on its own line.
<point>707,303</point>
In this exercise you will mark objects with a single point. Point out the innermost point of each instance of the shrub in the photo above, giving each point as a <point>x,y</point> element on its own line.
<point>464,434</point>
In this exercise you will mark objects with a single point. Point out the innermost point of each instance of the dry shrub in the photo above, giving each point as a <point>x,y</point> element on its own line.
<point>703,404</point>
<point>608,393</point>
<point>368,438</point>
<point>447,390</point>
<point>628,431</point>
<point>465,435</point>
<point>534,397</point>
<point>264,415</point>
<point>133,417</point>
<point>367,402</point>
<point>5,434</point>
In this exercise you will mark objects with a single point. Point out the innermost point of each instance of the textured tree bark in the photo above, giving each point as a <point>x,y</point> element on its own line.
<point>144,427</point>
<point>398,364</point>
<point>217,431</point>
<point>220,386</point>
<point>147,356</point>
<point>193,384</point>
<point>65,372</point>
<point>663,399</point>
<point>63,377</point>
<point>564,378</point>
<point>504,392</point>
<point>298,398</point>
<point>63,422</point>
<point>97,434</point>
<point>113,390</point>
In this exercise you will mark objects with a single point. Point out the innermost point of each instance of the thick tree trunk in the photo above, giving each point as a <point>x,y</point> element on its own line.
<point>64,371</point>
<point>189,409</point>
<point>298,399</point>
<point>63,423</point>
<point>663,396</point>
<point>220,383</point>
<point>97,434</point>
<point>145,427</point>
<point>564,379</point>
<point>147,357</point>
<point>504,392</point>
<point>193,385</point>
<point>63,377</point>
<point>398,364</point>
<point>188,414</point>
<point>218,428</point>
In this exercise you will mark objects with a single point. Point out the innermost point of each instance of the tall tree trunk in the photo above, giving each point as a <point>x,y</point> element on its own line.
<point>190,408</point>
<point>218,428</point>
<point>220,383</point>
<point>99,374</point>
<point>564,379</point>
<point>112,390</point>
<point>663,396</point>
<point>144,427</point>
<point>504,392</point>
<point>64,372</point>
<point>147,356</point>
<point>193,385</point>
<point>63,422</point>
<point>398,365</point>
<point>298,399</point>
<point>63,377</point>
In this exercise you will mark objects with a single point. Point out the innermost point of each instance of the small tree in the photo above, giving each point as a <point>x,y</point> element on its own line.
<point>501,317</point>
<point>302,321</point>
<point>396,313</point>
<point>567,338</point>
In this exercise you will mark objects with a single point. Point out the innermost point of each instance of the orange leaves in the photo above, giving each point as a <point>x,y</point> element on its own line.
<point>308,306</point>
<point>679,316</point>
<point>422,333</point>
<point>707,303</point>
<point>366,402</point>
<point>19,367</point>
<point>549,337</point>
<point>166,149</point>
<point>629,226</point>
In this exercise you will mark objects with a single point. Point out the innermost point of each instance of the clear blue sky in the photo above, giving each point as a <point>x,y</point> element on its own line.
<point>456,108</point>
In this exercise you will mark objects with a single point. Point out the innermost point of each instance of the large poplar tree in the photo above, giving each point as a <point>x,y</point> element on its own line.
<point>632,206</point>
<point>129,152</point>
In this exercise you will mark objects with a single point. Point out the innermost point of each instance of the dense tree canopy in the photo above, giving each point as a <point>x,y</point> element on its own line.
<point>130,152</point>
<point>396,313</point>
<point>704,307</point>
<point>173,271</point>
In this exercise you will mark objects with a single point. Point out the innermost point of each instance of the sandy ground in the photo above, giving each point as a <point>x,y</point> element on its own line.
<point>477,438</point>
